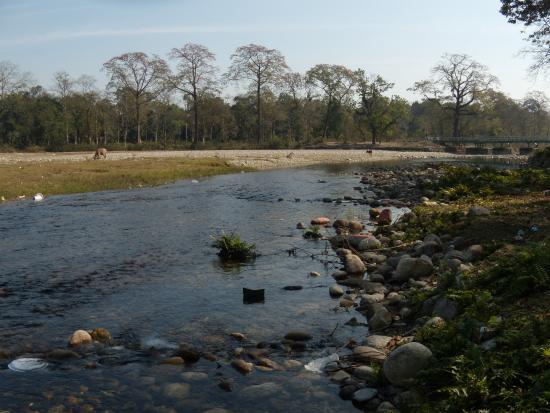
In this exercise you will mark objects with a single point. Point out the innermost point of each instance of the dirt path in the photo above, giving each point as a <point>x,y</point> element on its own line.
<point>257,159</point>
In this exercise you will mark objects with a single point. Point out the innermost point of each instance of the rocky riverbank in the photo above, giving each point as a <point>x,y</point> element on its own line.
<point>440,288</point>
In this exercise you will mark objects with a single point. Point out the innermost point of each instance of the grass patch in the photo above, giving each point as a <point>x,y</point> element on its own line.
<point>53,178</point>
<point>232,248</point>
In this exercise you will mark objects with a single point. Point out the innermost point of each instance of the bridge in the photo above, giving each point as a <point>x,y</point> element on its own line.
<point>495,145</point>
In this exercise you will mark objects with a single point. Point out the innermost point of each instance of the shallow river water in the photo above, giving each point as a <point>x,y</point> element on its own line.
<point>139,263</point>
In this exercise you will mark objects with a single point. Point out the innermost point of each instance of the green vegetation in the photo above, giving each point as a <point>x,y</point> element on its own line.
<point>495,355</point>
<point>53,178</point>
<point>232,248</point>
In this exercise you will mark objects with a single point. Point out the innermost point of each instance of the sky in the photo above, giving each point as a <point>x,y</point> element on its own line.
<point>398,39</point>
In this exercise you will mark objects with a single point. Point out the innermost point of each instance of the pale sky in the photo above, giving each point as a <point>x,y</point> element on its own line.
<point>400,39</point>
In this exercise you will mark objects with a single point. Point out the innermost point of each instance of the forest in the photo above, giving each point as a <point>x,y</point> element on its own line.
<point>182,101</point>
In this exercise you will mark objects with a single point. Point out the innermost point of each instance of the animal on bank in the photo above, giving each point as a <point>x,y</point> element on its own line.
<point>100,153</point>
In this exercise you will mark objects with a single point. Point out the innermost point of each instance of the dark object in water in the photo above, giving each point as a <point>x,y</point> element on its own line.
<point>253,296</point>
<point>293,287</point>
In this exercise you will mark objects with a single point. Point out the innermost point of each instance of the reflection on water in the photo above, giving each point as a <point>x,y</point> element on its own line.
<point>140,264</point>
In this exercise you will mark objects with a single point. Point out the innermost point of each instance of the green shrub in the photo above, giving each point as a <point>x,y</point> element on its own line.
<point>231,247</point>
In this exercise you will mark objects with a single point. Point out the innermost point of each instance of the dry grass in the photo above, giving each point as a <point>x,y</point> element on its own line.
<point>51,178</point>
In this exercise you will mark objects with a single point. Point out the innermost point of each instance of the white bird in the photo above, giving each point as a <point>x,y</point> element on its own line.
<point>38,197</point>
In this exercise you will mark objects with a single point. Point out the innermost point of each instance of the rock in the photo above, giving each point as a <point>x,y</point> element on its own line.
<point>404,363</point>
<point>346,302</point>
<point>339,376</point>
<point>445,308</point>
<point>381,319</point>
<point>474,252</point>
<point>321,221</point>
<point>176,390</point>
<point>188,353</point>
<point>435,322</point>
<point>314,274</point>
<point>374,212</point>
<point>371,298</point>
<point>374,257</point>
<point>432,238</point>
<point>366,373</point>
<point>413,268</point>
<point>488,345</point>
<point>377,278</point>
<point>364,395</point>
<point>373,287</point>
<point>369,243</point>
<point>298,335</point>
<point>80,337</point>
<point>368,354</point>
<point>428,248</point>
<point>355,227</point>
<point>408,400</point>
<point>173,361</point>
<point>261,391</point>
<point>477,211</point>
<point>347,391</point>
<point>194,376</point>
<point>336,291</point>
<point>385,217</point>
<point>242,366</point>
<point>101,335</point>
<point>340,275</point>
<point>300,225</point>
<point>353,264</point>
<point>340,224</point>
<point>386,407</point>
<point>377,341</point>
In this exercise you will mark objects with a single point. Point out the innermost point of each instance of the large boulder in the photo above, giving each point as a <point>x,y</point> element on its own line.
<point>413,268</point>
<point>404,363</point>
<point>353,264</point>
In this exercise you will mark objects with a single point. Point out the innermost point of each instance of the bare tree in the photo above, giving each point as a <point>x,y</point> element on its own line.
<point>293,84</point>
<point>261,66</point>
<point>63,86</point>
<point>457,82</point>
<point>195,76</point>
<point>335,81</point>
<point>142,76</point>
<point>12,80</point>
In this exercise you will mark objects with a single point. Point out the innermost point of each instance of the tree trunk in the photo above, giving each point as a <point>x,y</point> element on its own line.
<point>138,122</point>
<point>196,115</point>
<point>259,120</point>
<point>456,123</point>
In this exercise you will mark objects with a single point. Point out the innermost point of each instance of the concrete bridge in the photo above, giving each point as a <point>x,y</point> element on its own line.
<point>494,145</point>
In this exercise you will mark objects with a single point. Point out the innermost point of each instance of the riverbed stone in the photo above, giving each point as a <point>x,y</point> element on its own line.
<point>298,335</point>
<point>371,298</point>
<point>176,390</point>
<point>381,319</point>
<point>242,366</point>
<point>62,354</point>
<point>378,341</point>
<point>366,373</point>
<point>385,217</point>
<point>377,278</point>
<point>404,363</point>
<point>194,376</point>
<point>413,268</point>
<point>340,275</point>
<point>428,248</point>
<point>355,227</point>
<point>173,361</point>
<point>257,391</point>
<point>322,221</point>
<point>369,243</point>
<point>386,407</point>
<point>339,376</point>
<point>80,337</point>
<point>478,211</point>
<point>445,308</point>
<point>354,264</point>
<point>364,395</point>
<point>336,291</point>
<point>368,354</point>
<point>102,335</point>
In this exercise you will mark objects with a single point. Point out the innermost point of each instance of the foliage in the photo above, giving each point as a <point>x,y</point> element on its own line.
<point>232,248</point>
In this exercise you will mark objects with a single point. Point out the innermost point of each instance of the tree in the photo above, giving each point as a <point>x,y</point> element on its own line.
<point>195,75</point>
<point>12,80</point>
<point>262,67</point>
<point>532,13</point>
<point>336,82</point>
<point>379,112</point>
<point>63,86</point>
<point>457,82</point>
<point>293,87</point>
<point>143,76</point>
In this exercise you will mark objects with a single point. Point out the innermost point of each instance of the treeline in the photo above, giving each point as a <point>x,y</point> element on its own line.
<point>281,108</point>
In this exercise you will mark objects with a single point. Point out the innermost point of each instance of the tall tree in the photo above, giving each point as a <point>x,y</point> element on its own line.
<point>457,82</point>
<point>143,76</point>
<point>293,86</point>
<point>380,112</point>
<point>336,82</point>
<point>64,86</point>
<point>195,76</point>
<point>532,13</point>
<point>12,80</point>
<point>262,67</point>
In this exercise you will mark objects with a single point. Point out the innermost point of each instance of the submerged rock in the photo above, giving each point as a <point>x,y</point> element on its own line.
<point>298,335</point>
<point>242,366</point>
